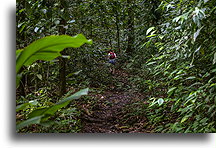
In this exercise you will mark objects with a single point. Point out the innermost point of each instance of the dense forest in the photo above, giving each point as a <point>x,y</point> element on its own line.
<point>162,79</point>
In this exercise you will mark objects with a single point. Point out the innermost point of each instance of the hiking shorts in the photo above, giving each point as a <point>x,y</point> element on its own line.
<point>112,61</point>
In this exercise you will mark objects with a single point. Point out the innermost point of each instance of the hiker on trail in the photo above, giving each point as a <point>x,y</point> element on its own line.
<point>112,56</point>
<point>112,60</point>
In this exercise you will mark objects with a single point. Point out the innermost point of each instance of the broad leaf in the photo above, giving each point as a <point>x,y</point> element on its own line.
<point>35,120</point>
<point>21,107</point>
<point>39,76</point>
<point>18,78</point>
<point>66,101</point>
<point>149,30</point>
<point>196,34</point>
<point>75,96</point>
<point>47,49</point>
<point>24,105</point>
<point>37,112</point>
<point>51,110</point>
<point>18,52</point>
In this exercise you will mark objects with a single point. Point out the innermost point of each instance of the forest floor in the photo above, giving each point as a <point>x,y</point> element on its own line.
<point>109,111</point>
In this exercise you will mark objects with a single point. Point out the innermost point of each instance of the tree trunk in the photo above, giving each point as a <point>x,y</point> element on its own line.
<point>104,23</point>
<point>22,86</point>
<point>130,46</point>
<point>118,35</point>
<point>117,25</point>
<point>62,76</point>
<point>62,65</point>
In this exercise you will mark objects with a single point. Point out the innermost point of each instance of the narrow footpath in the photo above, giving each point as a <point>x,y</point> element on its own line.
<point>107,113</point>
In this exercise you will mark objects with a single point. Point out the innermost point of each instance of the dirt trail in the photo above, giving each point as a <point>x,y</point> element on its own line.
<point>106,114</point>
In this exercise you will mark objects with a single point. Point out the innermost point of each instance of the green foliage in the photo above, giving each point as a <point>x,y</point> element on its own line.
<point>41,115</point>
<point>182,69</point>
<point>172,63</point>
<point>47,49</point>
<point>35,120</point>
<point>23,106</point>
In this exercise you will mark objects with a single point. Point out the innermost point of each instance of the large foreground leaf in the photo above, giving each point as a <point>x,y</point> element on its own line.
<point>40,116</point>
<point>35,120</point>
<point>47,49</point>
<point>52,109</point>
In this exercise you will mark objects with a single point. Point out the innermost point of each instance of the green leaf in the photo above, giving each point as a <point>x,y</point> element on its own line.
<point>76,95</point>
<point>22,28</point>
<point>20,11</point>
<point>24,105</point>
<point>213,70</point>
<point>197,49</point>
<point>153,102</point>
<point>57,22</point>
<point>171,90</point>
<point>214,84</point>
<point>21,107</point>
<point>185,118</point>
<point>190,78</point>
<point>196,34</point>
<point>214,60</point>
<point>151,35</point>
<point>51,110</point>
<point>35,120</point>
<point>47,123</point>
<point>37,112</point>
<point>192,96</point>
<point>33,102</point>
<point>65,56</point>
<point>18,52</point>
<point>205,1</point>
<point>176,19</point>
<point>74,73</point>
<point>39,76</point>
<point>149,30</point>
<point>160,101</point>
<point>48,48</point>
<point>150,63</point>
<point>18,78</point>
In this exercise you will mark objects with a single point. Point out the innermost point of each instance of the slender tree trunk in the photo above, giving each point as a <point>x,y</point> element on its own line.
<point>22,86</point>
<point>62,76</point>
<point>118,36</point>
<point>117,27</point>
<point>62,66</point>
<point>104,22</point>
<point>130,47</point>
<point>62,61</point>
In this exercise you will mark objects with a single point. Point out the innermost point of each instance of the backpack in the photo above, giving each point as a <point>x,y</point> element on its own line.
<point>112,55</point>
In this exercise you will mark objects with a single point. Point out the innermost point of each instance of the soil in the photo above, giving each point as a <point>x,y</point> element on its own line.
<point>106,114</point>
